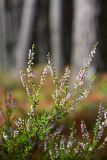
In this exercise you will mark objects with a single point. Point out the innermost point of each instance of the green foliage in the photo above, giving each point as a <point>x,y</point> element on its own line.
<point>61,147</point>
<point>24,138</point>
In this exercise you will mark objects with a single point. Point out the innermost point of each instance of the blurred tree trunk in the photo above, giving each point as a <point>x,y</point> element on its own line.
<point>3,52</point>
<point>103,37</point>
<point>12,9</point>
<point>42,30</point>
<point>55,20</point>
<point>67,14</point>
<point>84,32</point>
<point>27,19</point>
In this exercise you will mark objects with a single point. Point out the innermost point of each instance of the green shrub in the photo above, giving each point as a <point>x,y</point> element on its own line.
<point>34,137</point>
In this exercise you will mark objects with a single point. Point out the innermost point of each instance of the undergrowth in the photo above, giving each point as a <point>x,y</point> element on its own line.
<point>34,136</point>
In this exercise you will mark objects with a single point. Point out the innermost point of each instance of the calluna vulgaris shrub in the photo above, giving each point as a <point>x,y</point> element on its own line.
<point>34,137</point>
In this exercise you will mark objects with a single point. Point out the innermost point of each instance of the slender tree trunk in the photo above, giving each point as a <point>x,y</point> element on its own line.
<point>84,32</point>
<point>3,52</point>
<point>67,14</point>
<point>103,37</point>
<point>24,37</point>
<point>11,9</point>
<point>42,30</point>
<point>55,20</point>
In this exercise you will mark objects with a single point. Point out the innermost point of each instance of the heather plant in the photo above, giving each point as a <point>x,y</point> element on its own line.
<point>64,148</point>
<point>33,136</point>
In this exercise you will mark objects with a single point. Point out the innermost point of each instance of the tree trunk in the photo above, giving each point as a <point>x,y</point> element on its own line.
<point>103,37</point>
<point>42,31</point>
<point>84,32</point>
<point>27,19</point>
<point>55,20</point>
<point>12,19</point>
<point>3,52</point>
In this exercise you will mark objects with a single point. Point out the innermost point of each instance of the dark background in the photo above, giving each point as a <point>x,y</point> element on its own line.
<point>23,22</point>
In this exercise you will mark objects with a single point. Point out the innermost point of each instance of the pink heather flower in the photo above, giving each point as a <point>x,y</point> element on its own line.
<point>22,78</point>
<point>31,74</point>
<point>84,130</point>
<point>100,133</point>
<point>83,70</point>
<point>80,78</point>
<point>105,115</point>
<point>43,76</point>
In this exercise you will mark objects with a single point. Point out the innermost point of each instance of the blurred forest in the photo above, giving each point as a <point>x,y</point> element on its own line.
<point>68,29</point>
